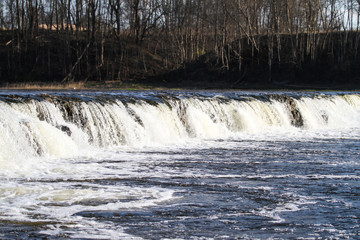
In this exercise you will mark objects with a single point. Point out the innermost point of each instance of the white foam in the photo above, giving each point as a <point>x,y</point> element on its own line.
<point>60,202</point>
<point>275,213</point>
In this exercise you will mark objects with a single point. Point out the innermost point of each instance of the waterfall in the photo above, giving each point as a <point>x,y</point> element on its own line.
<point>60,124</point>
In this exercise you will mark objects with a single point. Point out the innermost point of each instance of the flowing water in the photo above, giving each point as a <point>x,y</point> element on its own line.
<point>179,165</point>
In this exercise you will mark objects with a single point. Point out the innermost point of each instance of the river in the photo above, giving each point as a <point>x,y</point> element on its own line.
<point>179,165</point>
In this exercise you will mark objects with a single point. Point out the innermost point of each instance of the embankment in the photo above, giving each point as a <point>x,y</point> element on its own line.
<point>68,61</point>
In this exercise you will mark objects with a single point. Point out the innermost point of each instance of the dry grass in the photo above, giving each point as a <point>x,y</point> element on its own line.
<point>89,85</point>
<point>45,86</point>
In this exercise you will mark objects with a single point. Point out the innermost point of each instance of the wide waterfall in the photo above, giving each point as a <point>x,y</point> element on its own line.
<point>97,156</point>
<point>58,124</point>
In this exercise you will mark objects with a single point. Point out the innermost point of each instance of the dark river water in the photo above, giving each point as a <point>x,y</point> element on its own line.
<point>179,165</point>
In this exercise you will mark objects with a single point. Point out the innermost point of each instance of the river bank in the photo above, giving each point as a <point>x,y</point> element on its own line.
<point>115,85</point>
<point>58,61</point>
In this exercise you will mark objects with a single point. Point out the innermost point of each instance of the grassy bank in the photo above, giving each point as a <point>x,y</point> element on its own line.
<point>118,86</point>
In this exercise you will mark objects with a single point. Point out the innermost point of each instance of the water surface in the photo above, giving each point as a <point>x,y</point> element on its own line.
<point>179,165</point>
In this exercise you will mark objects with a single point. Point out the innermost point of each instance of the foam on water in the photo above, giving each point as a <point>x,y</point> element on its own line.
<point>57,205</point>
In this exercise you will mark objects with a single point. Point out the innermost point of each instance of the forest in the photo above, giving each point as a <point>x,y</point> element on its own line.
<point>181,43</point>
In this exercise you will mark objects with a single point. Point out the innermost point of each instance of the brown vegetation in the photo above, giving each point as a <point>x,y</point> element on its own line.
<point>195,43</point>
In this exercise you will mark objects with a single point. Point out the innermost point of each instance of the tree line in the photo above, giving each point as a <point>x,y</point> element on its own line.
<point>73,40</point>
